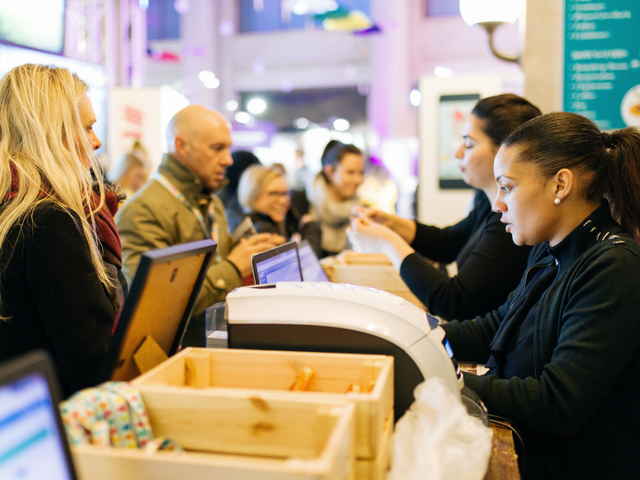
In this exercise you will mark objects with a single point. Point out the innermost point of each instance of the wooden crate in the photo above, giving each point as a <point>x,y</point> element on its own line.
<point>278,439</point>
<point>377,468</point>
<point>380,276</point>
<point>198,373</point>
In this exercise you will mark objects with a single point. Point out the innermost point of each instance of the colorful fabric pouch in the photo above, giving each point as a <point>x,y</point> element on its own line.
<point>111,414</point>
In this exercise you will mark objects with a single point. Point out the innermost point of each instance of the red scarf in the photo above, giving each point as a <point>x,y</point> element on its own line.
<point>106,226</point>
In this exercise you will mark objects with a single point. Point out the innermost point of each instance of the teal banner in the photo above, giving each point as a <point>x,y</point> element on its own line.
<point>602,61</point>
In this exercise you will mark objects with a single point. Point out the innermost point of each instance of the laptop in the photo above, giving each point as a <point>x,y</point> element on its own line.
<point>33,444</point>
<point>159,305</point>
<point>278,264</point>
<point>312,271</point>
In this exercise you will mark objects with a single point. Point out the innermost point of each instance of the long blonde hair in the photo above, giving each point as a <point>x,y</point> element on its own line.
<point>43,141</point>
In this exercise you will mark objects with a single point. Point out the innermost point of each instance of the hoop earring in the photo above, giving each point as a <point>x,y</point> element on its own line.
<point>557,201</point>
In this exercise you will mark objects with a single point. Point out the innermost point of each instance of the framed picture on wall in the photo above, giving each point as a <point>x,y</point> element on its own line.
<point>453,111</point>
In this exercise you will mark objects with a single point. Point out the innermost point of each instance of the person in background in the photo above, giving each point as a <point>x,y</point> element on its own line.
<point>333,193</point>
<point>242,160</point>
<point>489,264</point>
<point>563,351</point>
<point>61,285</point>
<point>128,174</point>
<point>378,191</point>
<point>264,194</point>
<point>179,206</point>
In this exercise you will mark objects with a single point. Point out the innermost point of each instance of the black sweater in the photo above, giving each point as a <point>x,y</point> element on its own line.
<point>309,232</point>
<point>489,264</point>
<point>579,411</point>
<point>52,294</point>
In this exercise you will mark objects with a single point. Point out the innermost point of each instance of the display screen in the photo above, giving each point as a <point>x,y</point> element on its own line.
<point>280,264</point>
<point>453,112</point>
<point>37,24</point>
<point>312,271</point>
<point>30,443</point>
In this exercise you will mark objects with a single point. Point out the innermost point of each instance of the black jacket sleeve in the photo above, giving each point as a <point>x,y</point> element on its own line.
<point>444,244</point>
<point>492,269</point>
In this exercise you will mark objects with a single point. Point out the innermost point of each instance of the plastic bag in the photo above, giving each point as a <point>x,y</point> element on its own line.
<point>437,439</point>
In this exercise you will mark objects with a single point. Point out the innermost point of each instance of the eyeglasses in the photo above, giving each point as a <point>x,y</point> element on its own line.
<point>274,195</point>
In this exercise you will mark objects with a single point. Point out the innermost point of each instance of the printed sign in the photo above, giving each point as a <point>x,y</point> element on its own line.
<point>602,61</point>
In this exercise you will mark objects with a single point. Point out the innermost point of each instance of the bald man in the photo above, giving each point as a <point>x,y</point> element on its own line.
<point>178,206</point>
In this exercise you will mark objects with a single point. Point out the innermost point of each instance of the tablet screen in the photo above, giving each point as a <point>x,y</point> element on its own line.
<point>31,446</point>
<point>279,264</point>
<point>312,271</point>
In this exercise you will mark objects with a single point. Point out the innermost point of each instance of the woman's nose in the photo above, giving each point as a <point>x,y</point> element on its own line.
<point>460,152</point>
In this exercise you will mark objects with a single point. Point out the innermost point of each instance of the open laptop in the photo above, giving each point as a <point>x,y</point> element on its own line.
<point>159,305</point>
<point>33,444</point>
<point>278,264</point>
<point>312,271</point>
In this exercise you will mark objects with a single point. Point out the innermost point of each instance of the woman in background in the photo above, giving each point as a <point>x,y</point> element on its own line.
<point>489,264</point>
<point>564,351</point>
<point>333,194</point>
<point>129,174</point>
<point>264,194</point>
<point>61,285</point>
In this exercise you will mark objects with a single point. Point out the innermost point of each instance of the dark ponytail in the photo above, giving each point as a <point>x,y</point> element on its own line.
<point>624,178</point>
<point>607,163</point>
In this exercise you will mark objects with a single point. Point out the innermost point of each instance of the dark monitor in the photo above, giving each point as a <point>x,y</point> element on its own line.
<point>33,444</point>
<point>312,271</point>
<point>159,305</point>
<point>278,264</point>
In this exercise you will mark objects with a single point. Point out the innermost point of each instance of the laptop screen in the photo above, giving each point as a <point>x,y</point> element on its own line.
<point>312,271</point>
<point>31,445</point>
<point>279,264</point>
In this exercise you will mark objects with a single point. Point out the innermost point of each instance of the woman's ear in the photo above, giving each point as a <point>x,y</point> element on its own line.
<point>564,183</point>
<point>328,171</point>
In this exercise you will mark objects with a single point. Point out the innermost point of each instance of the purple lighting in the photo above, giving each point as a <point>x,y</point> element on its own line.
<point>181,6</point>
<point>226,28</point>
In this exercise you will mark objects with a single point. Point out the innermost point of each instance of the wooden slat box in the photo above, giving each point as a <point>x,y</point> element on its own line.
<point>290,439</point>
<point>214,370</point>
<point>377,468</point>
<point>368,270</point>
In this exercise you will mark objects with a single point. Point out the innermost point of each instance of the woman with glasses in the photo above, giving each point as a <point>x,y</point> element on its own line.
<point>264,195</point>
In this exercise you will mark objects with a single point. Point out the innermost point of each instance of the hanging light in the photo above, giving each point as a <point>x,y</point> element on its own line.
<point>489,14</point>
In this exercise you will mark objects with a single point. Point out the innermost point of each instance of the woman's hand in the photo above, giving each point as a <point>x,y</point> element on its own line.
<point>366,236</point>
<point>402,226</point>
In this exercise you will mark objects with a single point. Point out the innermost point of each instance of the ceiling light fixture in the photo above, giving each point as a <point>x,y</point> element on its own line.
<point>490,14</point>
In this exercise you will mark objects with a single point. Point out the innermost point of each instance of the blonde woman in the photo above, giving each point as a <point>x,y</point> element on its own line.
<point>60,254</point>
<point>265,197</point>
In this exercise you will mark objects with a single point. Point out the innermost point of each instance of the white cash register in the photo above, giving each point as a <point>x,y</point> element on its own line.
<point>330,317</point>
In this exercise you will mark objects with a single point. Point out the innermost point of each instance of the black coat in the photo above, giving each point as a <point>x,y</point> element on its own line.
<point>52,295</point>
<point>579,412</point>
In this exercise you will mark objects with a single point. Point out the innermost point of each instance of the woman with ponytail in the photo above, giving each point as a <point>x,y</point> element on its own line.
<point>563,352</point>
<point>61,284</point>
